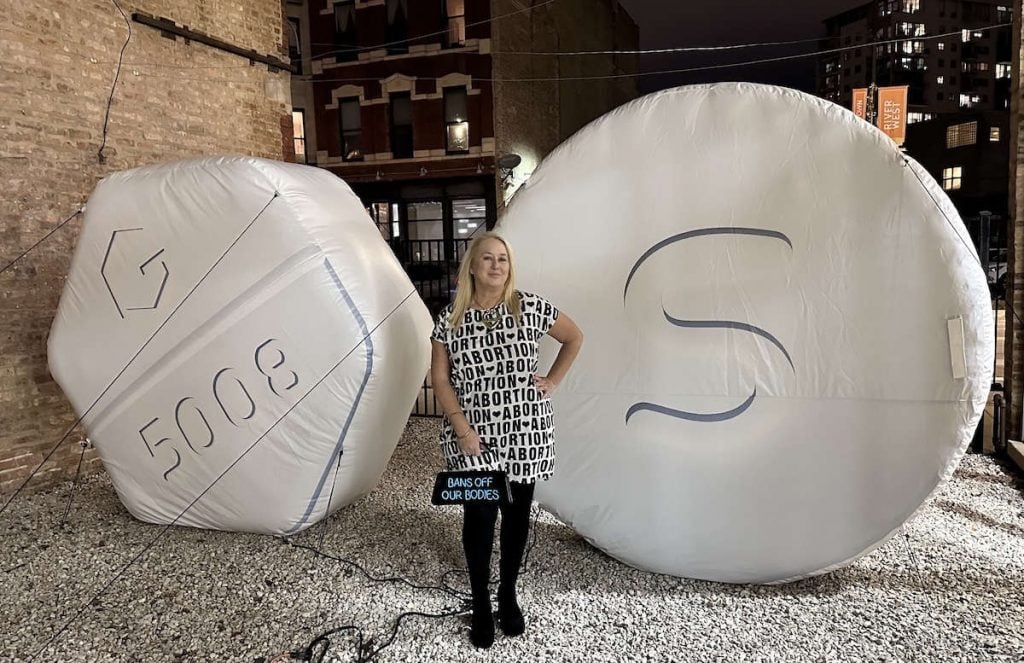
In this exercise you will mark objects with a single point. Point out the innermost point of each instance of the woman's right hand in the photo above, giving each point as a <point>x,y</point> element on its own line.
<point>470,443</point>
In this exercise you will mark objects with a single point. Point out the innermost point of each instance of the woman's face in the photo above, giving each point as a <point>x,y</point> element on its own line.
<point>491,265</point>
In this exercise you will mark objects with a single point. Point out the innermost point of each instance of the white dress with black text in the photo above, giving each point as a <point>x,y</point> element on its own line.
<point>491,372</point>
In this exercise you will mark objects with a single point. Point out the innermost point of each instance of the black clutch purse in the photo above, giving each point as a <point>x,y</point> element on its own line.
<point>471,487</point>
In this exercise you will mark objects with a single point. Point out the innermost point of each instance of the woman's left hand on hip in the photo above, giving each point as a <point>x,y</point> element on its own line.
<point>545,385</point>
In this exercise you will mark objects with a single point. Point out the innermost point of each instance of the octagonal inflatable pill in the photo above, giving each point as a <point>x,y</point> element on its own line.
<point>241,342</point>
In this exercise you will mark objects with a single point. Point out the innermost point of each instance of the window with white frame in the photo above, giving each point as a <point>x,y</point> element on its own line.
<point>350,120</point>
<point>456,120</point>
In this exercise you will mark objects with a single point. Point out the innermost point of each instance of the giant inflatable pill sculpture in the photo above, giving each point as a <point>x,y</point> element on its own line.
<point>241,342</point>
<point>789,339</point>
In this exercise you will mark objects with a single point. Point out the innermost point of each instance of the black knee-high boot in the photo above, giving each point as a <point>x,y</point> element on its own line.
<point>515,527</point>
<point>477,540</point>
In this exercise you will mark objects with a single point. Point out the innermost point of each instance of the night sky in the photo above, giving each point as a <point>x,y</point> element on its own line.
<point>667,23</point>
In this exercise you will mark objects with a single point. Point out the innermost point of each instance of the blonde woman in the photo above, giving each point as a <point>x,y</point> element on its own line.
<point>497,412</point>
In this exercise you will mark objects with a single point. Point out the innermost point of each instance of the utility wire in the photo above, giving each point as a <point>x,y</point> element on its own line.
<point>658,72</point>
<point>45,237</point>
<point>397,42</point>
<point>110,100</point>
<point>639,74</point>
<point>163,529</point>
<point>54,448</point>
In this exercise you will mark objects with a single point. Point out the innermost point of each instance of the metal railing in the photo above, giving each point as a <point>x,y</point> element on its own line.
<point>433,268</point>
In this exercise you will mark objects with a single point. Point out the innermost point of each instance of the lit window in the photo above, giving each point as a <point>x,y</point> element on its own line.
<point>456,120</point>
<point>959,135</point>
<point>911,29</point>
<point>380,213</point>
<point>299,134</point>
<point>939,80</point>
<point>455,13</point>
<point>1002,70</point>
<point>969,100</point>
<point>952,178</point>
<point>993,134</point>
<point>911,6</point>
<point>1003,14</point>
<point>941,46</point>
<point>351,129</point>
<point>965,35</point>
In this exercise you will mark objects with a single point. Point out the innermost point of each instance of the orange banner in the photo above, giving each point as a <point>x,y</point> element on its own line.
<point>892,112</point>
<point>860,102</point>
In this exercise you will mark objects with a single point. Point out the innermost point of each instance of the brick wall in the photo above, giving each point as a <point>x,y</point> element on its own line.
<point>1013,362</point>
<point>174,100</point>
<point>532,118</point>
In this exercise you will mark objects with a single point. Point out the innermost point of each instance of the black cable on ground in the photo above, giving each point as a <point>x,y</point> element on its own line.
<point>382,579</point>
<point>36,245</point>
<point>365,652</point>
<point>74,484</point>
<point>330,500</point>
<point>163,529</point>
<point>110,100</point>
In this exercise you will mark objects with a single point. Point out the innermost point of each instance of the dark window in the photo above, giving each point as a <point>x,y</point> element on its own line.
<point>294,46</point>
<point>345,30</point>
<point>351,129</point>
<point>401,125</point>
<point>455,22</point>
<point>456,120</point>
<point>397,31</point>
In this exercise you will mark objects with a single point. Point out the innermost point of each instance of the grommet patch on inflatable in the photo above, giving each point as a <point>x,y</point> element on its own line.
<point>789,338</point>
<point>229,329</point>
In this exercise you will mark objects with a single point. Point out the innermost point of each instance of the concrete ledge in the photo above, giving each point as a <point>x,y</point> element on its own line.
<point>1015,450</point>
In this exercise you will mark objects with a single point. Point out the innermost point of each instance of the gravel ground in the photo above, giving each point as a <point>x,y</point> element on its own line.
<point>955,592</point>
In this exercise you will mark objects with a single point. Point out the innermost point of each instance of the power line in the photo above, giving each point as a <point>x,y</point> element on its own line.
<point>397,42</point>
<point>163,529</point>
<point>639,74</point>
<point>117,75</point>
<point>79,420</point>
<point>45,237</point>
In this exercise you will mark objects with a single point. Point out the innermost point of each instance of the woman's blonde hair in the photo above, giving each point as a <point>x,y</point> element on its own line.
<point>466,287</point>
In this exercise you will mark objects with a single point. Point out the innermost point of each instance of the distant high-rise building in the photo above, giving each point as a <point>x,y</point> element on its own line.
<point>959,89</point>
<point>967,69</point>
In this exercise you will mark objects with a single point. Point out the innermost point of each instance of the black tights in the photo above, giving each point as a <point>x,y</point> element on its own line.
<point>478,538</point>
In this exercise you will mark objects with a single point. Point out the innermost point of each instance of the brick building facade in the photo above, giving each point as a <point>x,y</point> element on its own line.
<point>174,99</point>
<point>415,103</point>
